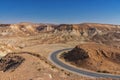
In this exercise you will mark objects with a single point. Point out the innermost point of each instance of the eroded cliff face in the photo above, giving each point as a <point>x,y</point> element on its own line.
<point>85,29</point>
<point>101,33</point>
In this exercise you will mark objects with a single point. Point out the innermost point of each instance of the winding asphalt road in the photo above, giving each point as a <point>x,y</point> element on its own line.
<point>54,59</point>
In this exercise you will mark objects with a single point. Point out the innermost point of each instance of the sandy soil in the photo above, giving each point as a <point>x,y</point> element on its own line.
<point>36,65</point>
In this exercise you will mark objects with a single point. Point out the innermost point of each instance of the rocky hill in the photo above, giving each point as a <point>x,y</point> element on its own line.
<point>96,57</point>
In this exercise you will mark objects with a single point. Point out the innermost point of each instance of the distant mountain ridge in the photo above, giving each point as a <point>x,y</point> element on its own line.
<point>100,33</point>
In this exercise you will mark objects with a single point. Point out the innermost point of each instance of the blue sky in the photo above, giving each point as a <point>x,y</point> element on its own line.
<point>60,11</point>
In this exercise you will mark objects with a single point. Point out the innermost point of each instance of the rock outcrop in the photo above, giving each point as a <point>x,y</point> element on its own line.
<point>10,62</point>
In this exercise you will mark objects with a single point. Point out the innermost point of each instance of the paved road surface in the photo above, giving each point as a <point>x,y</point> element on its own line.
<point>53,58</point>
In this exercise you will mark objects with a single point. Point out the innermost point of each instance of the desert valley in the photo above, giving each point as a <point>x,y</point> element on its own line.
<point>25,48</point>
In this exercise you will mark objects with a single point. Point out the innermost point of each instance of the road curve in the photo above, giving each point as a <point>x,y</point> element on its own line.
<point>53,58</point>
